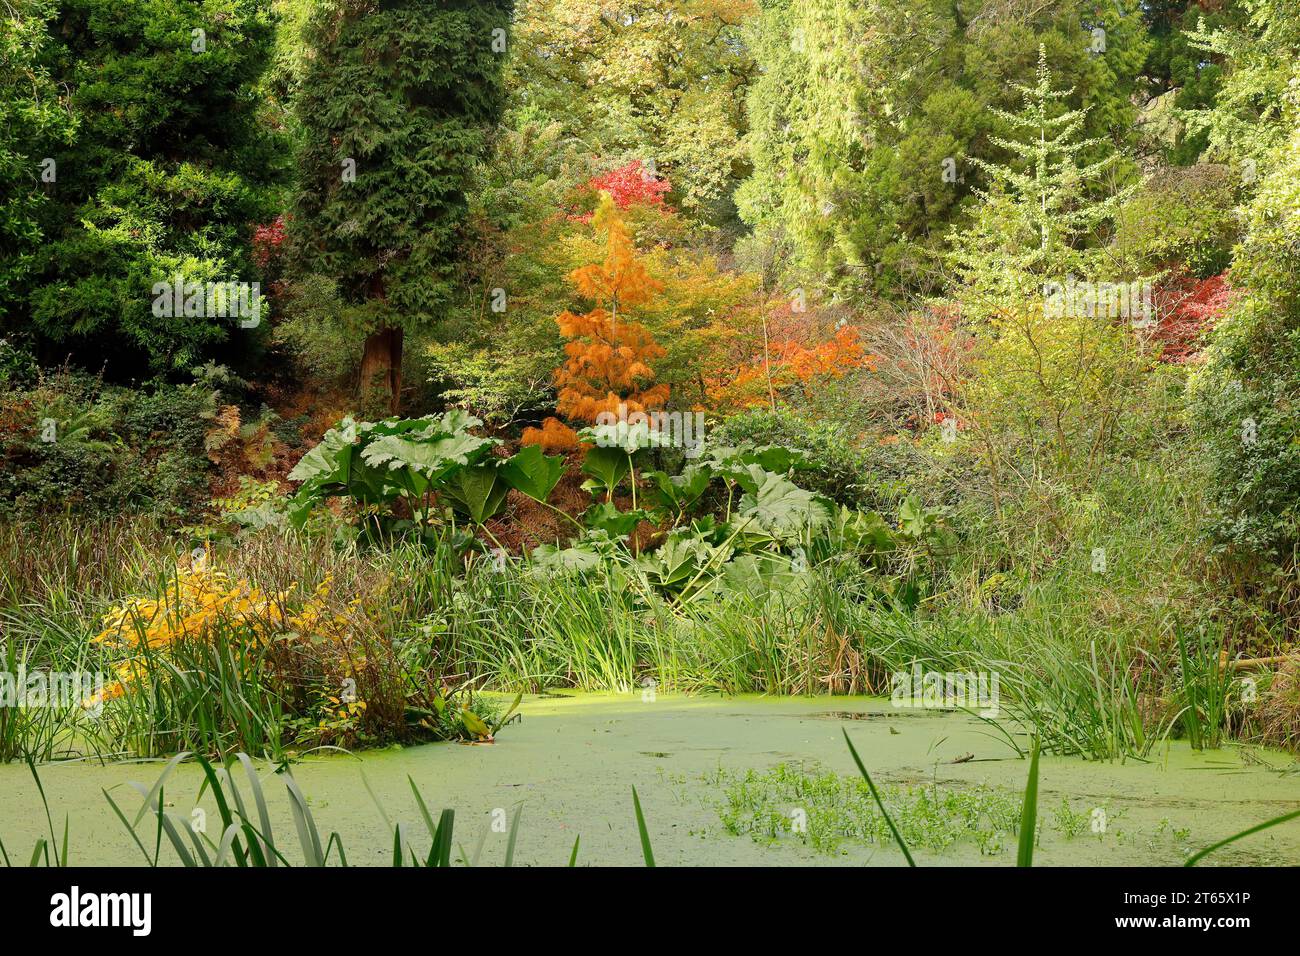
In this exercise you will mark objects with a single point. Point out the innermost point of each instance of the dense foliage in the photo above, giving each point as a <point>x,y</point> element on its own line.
<point>747,346</point>
<point>395,104</point>
<point>143,159</point>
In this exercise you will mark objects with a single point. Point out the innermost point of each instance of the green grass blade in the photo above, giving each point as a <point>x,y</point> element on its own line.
<point>646,851</point>
<point>336,840</point>
<point>496,727</point>
<point>174,836</point>
<point>1192,860</point>
<point>31,765</point>
<point>153,791</point>
<point>263,815</point>
<point>1029,813</point>
<point>227,842</point>
<point>898,837</point>
<point>129,829</point>
<point>302,819</point>
<point>573,857</point>
<point>478,849</point>
<point>424,810</point>
<point>371,790</point>
<point>514,835</point>
<point>442,842</point>
<point>211,780</point>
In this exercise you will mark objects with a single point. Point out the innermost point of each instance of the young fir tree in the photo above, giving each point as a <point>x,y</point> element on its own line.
<point>863,116</point>
<point>1036,218</point>
<point>1047,384</point>
<point>608,352</point>
<point>396,104</point>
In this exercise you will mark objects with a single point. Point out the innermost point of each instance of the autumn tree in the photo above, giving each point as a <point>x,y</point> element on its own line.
<point>662,81</point>
<point>777,351</point>
<point>609,355</point>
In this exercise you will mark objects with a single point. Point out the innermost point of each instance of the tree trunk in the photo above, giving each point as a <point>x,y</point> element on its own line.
<point>381,371</point>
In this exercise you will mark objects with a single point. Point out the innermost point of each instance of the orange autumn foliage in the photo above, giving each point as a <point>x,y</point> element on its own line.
<point>834,356</point>
<point>554,435</point>
<point>798,354</point>
<point>609,355</point>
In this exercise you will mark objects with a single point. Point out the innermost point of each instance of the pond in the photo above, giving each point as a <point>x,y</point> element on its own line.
<point>572,760</point>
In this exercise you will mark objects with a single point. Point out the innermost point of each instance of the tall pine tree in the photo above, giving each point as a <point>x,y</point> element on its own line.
<point>396,103</point>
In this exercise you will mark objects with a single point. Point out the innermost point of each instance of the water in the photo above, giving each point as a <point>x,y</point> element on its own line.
<point>572,761</point>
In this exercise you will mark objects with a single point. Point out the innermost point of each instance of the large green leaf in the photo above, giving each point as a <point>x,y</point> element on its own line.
<point>630,439</point>
<point>608,466</point>
<point>679,492</point>
<point>916,522</point>
<point>780,507</point>
<point>532,473</point>
<point>433,459</point>
<point>761,572</point>
<point>548,559</point>
<point>733,461</point>
<point>475,491</point>
<point>455,421</point>
<point>326,469</point>
<point>776,458</point>
<point>865,532</point>
<point>606,517</point>
<point>330,461</point>
<point>375,462</point>
<point>752,476</point>
<point>675,563</point>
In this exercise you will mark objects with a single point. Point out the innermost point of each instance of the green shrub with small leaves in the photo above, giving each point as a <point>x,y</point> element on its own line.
<point>73,445</point>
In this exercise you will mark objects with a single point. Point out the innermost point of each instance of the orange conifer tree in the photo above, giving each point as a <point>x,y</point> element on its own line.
<point>609,354</point>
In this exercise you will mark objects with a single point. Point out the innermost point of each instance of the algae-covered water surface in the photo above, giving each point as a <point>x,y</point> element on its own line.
<point>743,780</point>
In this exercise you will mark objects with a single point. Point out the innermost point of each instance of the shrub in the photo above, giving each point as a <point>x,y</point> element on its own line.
<point>71,444</point>
<point>1247,393</point>
<point>1182,216</point>
<point>1280,708</point>
<point>838,466</point>
<point>210,659</point>
<point>1053,391</point>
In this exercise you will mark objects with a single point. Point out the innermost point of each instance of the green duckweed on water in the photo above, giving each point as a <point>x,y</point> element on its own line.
<point>723,781</point>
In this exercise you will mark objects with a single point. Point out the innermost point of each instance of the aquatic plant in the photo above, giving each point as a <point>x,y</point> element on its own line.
<point>247,838</point>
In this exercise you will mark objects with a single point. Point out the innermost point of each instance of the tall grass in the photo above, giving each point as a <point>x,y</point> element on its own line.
<point>239,685</point>
<point>1087,662</point>
<point>1082,692</point>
